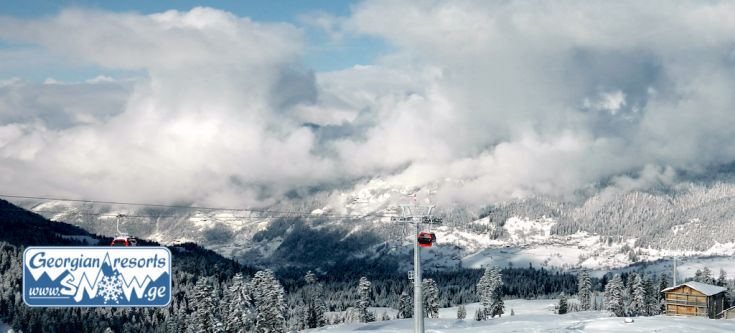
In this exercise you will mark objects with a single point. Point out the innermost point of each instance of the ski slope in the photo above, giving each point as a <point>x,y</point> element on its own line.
<point>538,316</point>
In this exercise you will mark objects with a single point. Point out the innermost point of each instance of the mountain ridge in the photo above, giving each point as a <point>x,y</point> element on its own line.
<point>606,230</point>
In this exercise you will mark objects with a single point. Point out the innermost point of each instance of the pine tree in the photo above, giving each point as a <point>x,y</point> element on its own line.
<point>490,292</point>
<point>562,304</point>
<point>485,289</point>
<point>461,312</point>
<point>310,278</point>
<point>628,290</point>
<point>238,306</point>
<point>584,287</point>
<point>638,305</point>
<point>181,315</point>
<point>707,276</point>
<point>204,319</point>
<point>314,300</point>
<point>480,315</point>
<point>431,298</point>
<point>730,294</point>
<point>614,296</point>
<point>698,276</point>
<point>497,307</point>
<point>296,317</point>
<point>652,307</point>
<point>268,295</point>
<point>217,299</point>
<point>722,278</point>
<point>405,306</point>
<point>363,302</point>
<point>663,283</point>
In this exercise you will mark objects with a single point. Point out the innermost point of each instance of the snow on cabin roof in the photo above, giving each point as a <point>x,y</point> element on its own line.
<point>706,289</point>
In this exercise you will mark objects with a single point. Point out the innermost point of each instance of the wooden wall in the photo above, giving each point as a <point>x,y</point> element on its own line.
<point>685,301</point>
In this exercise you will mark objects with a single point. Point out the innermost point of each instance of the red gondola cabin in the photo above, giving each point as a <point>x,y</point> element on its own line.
<point>124,241</point>
<point>426,239</point>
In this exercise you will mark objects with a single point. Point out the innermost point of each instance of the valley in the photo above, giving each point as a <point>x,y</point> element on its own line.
<point>601,233</point>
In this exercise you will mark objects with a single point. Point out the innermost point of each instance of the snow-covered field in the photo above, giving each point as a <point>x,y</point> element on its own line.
<point>538,316</point>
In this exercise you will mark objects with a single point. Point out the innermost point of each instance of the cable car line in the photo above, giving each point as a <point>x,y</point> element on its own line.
<point>275,215</point>
<point>250,210</point>
<point>285,214</point>
<point>229,218</point>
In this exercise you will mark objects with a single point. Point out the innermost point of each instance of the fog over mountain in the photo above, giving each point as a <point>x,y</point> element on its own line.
<point>483,101</point>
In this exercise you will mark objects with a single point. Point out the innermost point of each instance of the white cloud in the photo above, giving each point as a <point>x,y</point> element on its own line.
<point>518,70</point>
<point>203,126</point>
<point>485,100</point>
<point>610,102</point>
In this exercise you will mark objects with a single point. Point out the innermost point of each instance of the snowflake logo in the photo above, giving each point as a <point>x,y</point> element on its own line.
<point>110,288</point>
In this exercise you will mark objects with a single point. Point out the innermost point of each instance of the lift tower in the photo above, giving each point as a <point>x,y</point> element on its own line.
<point>417,214</point>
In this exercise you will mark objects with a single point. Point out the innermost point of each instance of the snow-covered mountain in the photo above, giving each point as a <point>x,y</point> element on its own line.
<point>602,231</point>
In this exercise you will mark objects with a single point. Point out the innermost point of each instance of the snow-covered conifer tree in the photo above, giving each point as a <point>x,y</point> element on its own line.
<point>268,295</point>
<point>562,304</point>
<point>461,312</point>
<point>652,307</point>
<point>638,305</point>
<point>238,307</point>
<point>707,276</point>
<point>614,296</point>
<point>722,278</point>
<point>698,276</point>
<point>181,318</point>
<point>489,290</point>
<point>480,315</point>
<point>363,302</point>
<point>204,319</point>
<point>497,307</point>
<point>628,289</point>
<point>662,284</point>
<point>405,306</point>
<point>315,307</point>
<point>431,298</point>
<point>484,289</point>
<point>584,287</point>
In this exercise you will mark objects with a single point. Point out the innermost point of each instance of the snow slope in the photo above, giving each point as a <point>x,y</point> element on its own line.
<point>575,322</point>
<point>538,316</point>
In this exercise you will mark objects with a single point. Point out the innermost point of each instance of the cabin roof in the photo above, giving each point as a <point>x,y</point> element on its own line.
<point>706,289</point>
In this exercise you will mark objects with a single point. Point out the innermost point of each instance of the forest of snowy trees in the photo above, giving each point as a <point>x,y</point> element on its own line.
<point>217,303</point>
<point>686,216</point>
<point>635,293</point>
<point>211,297</point>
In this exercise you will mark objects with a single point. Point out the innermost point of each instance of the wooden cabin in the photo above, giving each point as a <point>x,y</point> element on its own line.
<point>695,299</point>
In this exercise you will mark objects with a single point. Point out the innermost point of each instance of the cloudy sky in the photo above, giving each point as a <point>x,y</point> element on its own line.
<point>227,104</point>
